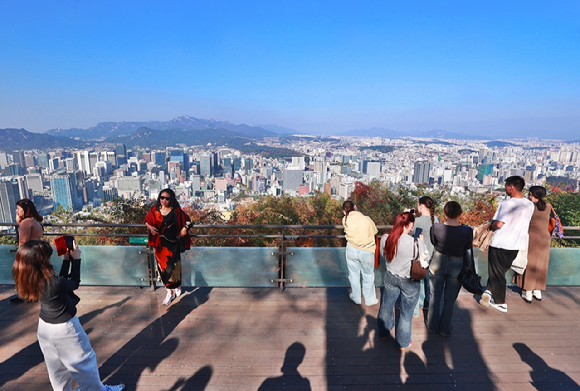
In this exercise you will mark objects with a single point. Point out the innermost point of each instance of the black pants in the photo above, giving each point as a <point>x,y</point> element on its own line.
<point>499,262</point>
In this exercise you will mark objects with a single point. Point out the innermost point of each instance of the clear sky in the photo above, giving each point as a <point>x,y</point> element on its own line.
<point>494,67</point>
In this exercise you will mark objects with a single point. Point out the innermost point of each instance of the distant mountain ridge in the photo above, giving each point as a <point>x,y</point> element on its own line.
<point>106,130</point>
<point>389,133</point>
<point>278,129</point>
<point>19,139</point>
<point>373,132</point>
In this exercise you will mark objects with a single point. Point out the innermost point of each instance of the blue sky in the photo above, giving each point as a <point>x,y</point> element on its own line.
<point>494,67</point>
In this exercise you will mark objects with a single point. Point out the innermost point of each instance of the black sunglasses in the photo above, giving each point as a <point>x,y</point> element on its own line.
<point>164,198</point>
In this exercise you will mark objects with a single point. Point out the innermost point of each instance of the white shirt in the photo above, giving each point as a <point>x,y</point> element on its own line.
<point>515,213</point>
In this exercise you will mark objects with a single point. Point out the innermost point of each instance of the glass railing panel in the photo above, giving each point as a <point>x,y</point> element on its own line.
<point>320,267</point>
<point>113,265</point>
<point>564,268</point>
<point>230,266</point>
<point>101,265</point>
<point>7,253</point>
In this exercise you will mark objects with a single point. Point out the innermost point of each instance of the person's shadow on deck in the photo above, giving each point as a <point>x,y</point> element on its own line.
<point>127,364</point>
<point>31,356</point>
<point>291,378</point>
<point>197,382</point>
<point>544,377</point>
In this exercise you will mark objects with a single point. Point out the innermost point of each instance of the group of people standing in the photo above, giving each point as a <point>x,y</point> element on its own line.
<point>445,246</point>
<point>518,221</point>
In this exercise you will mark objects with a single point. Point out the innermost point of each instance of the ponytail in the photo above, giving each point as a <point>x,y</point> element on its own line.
<point>347,207</point>
<point>429,203</point>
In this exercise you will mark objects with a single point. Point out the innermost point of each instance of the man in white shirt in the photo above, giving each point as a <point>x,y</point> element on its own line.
<point>510,225</point>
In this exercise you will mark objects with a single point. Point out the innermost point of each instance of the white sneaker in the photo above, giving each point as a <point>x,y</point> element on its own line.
<point>372,303</point>
<point>119,387</point>
<point>499,307</point>
<point>527,296</point>
<point>537,294</point>
<point>485,299</point>
<point>355,302</point>
<point>177,291</point>
<point>169,297</point>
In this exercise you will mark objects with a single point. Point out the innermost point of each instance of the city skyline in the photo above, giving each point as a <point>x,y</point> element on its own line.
<point>504,70</point>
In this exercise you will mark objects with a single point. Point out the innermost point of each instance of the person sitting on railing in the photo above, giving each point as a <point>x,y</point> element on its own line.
<point>167,226</point>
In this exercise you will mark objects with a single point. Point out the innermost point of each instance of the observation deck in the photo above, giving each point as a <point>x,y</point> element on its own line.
<point>279,318</point>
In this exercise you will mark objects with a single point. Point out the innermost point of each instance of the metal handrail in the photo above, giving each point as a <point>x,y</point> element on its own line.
<point>220,226</point>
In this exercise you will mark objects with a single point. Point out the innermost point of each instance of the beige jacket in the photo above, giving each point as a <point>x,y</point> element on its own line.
<point>360,231</point>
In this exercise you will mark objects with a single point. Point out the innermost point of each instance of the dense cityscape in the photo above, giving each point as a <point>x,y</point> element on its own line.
<point>219,178</point>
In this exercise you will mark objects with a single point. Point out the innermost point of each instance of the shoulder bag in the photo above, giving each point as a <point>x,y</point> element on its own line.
<point>418,272</point>
<point>468,277</point>
<point>555,226</point>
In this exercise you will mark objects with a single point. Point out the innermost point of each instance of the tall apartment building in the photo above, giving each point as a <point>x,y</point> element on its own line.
<point>421,172</point>
<point>8,197</point>
<point>64,191</point>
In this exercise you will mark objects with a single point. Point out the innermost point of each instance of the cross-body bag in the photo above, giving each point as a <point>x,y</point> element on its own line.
<point>418,272</point>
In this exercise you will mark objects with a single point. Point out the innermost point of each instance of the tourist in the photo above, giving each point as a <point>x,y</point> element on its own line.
<point>510,235</point>
<point>452,242</point>
<point>399,249</point>
<point>533,280</point>
<point>360,233</point>
<point>66,348</point>
<point>167,226</point>
<point>426,219</point>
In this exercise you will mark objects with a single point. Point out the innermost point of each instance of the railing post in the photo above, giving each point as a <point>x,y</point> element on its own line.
<point>152,266</point>
<point>282,263</point>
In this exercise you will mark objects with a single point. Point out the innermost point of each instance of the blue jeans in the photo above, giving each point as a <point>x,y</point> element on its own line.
<point>443,272</point>
<point>408,290</point>
<point>360,262</point>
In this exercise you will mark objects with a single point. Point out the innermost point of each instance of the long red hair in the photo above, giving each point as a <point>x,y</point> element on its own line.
<point>401,221</point>
<point>32,269</point>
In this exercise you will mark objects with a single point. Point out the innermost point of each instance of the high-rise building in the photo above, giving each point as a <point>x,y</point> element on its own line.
<point>421,172</point>
<point>178,155</point>
<point>292,179</point>
<point>34,182</point>
<point>228,167</point>
<point>3,160</point>
<point>64,191</point>
<point>159,159</point>
<point>22,188</point>
<point>237,164</point>
<point>483,170</point>
<point>42,160</point>
<point>206,168</point>
<point>121,149</point>
<point>8,198</point>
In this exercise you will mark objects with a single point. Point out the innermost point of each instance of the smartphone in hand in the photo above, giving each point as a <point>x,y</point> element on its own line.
<point>418,232</point>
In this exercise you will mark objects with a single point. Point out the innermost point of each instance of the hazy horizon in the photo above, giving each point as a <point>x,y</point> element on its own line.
<point>500,69</point>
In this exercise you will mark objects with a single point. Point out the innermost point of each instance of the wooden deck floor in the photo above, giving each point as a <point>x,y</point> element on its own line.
<point>250,339</point>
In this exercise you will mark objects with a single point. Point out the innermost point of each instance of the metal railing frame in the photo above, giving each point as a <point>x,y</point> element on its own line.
<point>282,236</point>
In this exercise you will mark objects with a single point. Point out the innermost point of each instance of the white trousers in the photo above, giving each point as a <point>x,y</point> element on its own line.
<point>361,263</point>
<point>68,354</point>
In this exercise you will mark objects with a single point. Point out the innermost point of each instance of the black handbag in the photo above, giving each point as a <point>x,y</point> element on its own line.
<point>181,244</point>
<point>468,277</point>
<point>418,272</point>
